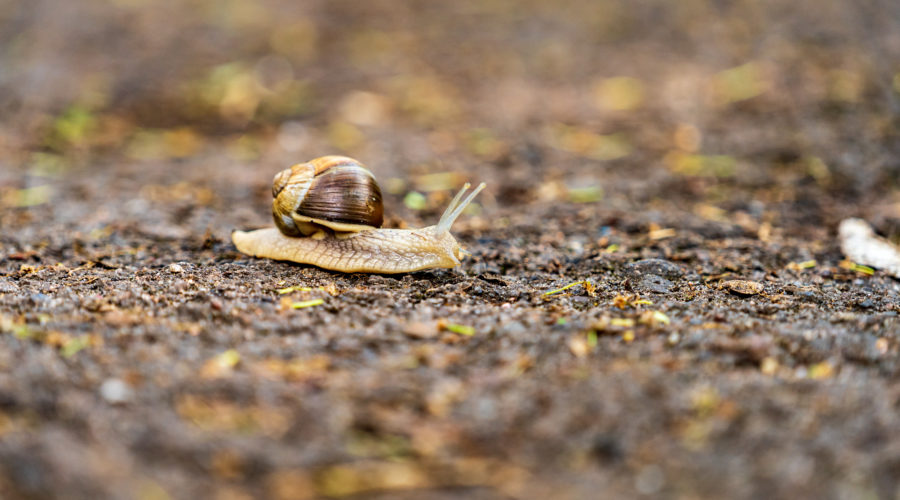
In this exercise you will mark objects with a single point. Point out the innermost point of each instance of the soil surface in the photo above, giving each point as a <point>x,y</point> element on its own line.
<point>682,165</point>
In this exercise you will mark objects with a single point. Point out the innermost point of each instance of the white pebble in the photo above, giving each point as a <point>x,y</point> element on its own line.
<point>650,480</point>
<point>115,391</point>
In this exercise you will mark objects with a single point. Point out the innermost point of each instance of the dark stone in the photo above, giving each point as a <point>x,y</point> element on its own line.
<point>606,449</point>
<point>653,275</point>
<point>658,267</point>
<point>653,283</point>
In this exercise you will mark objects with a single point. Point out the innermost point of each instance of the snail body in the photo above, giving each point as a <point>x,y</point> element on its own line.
<point>342,230</point>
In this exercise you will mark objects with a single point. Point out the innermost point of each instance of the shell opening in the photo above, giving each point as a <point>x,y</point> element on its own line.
<point>456,207</point>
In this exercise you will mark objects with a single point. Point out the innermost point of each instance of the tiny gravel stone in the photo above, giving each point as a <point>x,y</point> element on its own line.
<point>650,480</point>
<point>654,284</point>
<point>175,268</point>
<point>866,304</point>
<point>115,391</point>
<point>513,329</point>
<point>421,329</point>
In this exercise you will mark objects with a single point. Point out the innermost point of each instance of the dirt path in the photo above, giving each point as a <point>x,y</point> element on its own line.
<point>142,357</point>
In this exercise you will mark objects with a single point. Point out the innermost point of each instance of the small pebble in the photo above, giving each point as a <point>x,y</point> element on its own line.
<point>115,391</point>
<point>421,329</point>
<point>175,268</point>
<point>513,329</point>
<point>650,480</point>
<point>658,267</point>
<point>7,287</point>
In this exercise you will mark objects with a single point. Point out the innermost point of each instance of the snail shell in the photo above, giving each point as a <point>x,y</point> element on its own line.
<point>332,193</point>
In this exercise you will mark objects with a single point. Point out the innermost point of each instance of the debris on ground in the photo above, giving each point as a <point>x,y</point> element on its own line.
<point>864,248</point>
<point>743,288</point>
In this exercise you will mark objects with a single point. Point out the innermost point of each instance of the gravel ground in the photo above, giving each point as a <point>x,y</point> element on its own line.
<point>683,168</point>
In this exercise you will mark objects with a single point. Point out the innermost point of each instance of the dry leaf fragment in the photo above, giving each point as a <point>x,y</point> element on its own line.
<point>744,288</point>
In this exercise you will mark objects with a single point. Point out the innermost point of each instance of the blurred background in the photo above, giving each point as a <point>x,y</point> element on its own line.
<point>731,101</point>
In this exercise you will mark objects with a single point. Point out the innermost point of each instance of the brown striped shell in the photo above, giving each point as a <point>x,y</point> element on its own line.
<point>332,192</point>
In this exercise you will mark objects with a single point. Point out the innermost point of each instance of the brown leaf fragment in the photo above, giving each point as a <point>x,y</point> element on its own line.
<point>293,484</point>
<point>744,288</point>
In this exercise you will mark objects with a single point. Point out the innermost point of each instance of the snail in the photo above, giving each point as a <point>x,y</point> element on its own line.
<point>328,213</point>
